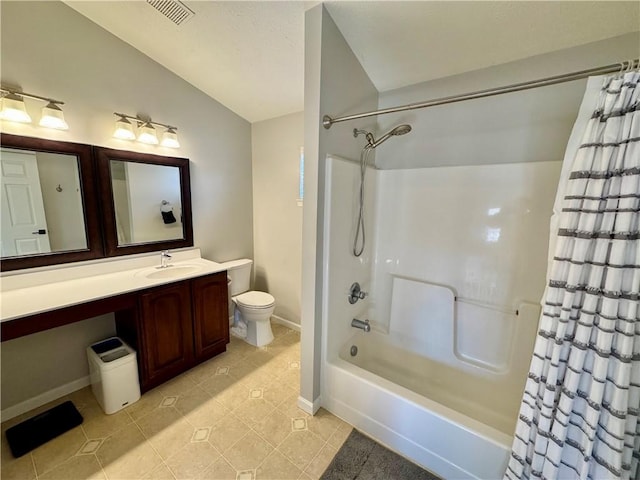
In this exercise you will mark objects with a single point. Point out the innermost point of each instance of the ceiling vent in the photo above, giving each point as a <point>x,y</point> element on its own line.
<point>174,10</point>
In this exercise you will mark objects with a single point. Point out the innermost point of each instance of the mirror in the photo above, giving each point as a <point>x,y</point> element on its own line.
<point>146,201</point>
<point>57,207</point>
<point>48,203</point>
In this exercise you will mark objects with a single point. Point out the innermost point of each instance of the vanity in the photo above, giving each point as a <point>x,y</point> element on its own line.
<point>98,252</point>
<point>174,317</point>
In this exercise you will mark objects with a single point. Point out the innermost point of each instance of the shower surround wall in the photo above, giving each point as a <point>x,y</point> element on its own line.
<point>480,231</point>
<point>454,253</point>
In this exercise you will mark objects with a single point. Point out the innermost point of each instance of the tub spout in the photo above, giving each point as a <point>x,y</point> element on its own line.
<point>361,324</point>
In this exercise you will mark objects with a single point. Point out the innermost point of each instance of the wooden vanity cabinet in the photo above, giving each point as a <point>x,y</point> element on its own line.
<point>210,315</point>
<point>167,331</point>
<point>176,326</point>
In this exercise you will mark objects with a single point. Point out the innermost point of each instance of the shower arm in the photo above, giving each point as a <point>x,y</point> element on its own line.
<point>368,135</point>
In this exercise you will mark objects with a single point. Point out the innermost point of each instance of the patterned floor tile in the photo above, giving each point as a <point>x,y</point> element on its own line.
<point>234,416</point>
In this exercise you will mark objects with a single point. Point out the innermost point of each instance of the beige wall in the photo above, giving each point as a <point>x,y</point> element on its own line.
<point>67,57</point>
<point>277,218</point>
<point>48,360</point>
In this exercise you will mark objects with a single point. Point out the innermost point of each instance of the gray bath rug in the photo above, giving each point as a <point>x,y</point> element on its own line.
<point>360,458</point>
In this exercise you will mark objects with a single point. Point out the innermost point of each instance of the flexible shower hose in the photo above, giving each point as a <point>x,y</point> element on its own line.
<point>358,245</point>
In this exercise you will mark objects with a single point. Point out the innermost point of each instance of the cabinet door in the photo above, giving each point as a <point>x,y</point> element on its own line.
<point>210,315</point>
<point>167,332</point>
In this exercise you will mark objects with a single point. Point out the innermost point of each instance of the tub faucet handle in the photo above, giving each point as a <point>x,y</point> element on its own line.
<point>356,293</point>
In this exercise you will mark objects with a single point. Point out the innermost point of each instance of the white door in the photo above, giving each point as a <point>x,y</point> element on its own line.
<point>24,226</point>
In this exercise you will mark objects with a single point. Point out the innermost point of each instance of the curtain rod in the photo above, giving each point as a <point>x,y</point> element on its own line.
<point>327,121</point>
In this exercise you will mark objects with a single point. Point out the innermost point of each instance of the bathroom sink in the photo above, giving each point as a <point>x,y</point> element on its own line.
<point>172,271</point>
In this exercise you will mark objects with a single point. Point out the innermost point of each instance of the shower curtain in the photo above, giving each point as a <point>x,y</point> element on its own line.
<point>580,407</point>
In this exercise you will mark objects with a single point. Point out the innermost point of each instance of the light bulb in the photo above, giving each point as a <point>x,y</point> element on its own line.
<point>170,139</point>
<point>52,117</point>
<point>148,134</point>
<point>14,109</point>
<point>124,129</point>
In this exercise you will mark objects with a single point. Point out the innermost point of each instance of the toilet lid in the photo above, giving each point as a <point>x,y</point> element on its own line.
<point>255,300</point>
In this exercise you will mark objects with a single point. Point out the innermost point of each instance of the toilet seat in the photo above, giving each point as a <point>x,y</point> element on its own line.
<point>255,300</point>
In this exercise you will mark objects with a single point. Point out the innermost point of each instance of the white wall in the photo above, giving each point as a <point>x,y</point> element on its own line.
<point>67,57</point>
<point>150,185</point>
<point>335,83</point>
<point>277,217</point>
<point>461,266</point>
<point>481,231</point>
<point>63,208</point>
<point>527,126</point>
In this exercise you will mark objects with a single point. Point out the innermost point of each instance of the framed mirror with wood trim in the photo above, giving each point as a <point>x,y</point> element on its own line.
<point>49,203</point>
<point>146,201</point>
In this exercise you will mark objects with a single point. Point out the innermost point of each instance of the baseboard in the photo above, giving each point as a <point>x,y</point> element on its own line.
<point>285,322</point>
<point>44,398</point>
<point>309,407</point>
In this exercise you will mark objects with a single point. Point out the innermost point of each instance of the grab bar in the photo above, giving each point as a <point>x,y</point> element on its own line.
<point>456,298</point>
<point>490,306</point>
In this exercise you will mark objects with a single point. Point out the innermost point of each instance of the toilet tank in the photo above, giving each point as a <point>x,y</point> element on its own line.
<point>240,273</point>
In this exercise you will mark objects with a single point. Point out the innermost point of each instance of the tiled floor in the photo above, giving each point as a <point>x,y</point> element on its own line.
<point>233,417</point>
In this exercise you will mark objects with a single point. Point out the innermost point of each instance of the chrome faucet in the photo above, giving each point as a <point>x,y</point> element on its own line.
<point>361,324</point>
<point>165,256</point>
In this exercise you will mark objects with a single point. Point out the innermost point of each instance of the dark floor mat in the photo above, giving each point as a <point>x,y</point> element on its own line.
<point>46,426</point>
<point>361,458</point>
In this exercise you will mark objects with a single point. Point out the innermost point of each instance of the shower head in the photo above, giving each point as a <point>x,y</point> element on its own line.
<point>399,130</point>
<point>373,143</point>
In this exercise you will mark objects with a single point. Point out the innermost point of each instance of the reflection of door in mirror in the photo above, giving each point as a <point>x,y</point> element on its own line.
<point>41,203</point>
<point>24,225</point>
<point>139,190</point>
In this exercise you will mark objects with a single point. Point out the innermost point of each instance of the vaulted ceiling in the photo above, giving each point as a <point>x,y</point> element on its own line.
<point>249,55</point>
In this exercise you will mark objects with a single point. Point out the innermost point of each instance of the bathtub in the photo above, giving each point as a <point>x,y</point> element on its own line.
<point>440,382</point>
<point>438,417</point>
<point>453,313</point>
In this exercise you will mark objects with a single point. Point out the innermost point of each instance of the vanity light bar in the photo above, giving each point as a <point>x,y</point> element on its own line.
<point>146,131</point>
<point>15,110</point>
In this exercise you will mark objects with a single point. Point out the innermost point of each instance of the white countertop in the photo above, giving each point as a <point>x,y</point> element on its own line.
<point>31,292</point>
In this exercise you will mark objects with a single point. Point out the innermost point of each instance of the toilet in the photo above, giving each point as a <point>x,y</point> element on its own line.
<point>252,308</point>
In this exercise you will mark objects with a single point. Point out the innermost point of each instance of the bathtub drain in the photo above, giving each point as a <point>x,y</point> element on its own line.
<point>354,350</point>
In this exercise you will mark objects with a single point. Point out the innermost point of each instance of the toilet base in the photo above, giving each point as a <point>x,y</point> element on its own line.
<point>259,333</point>
<point>258,325</point>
